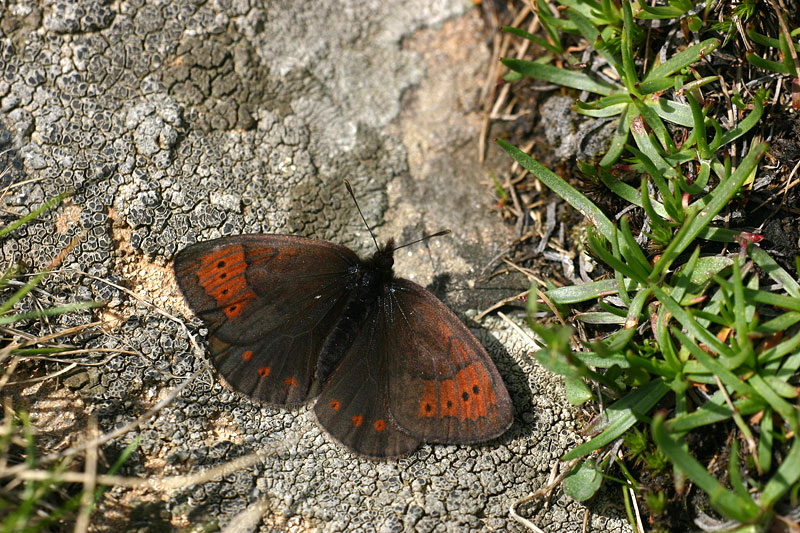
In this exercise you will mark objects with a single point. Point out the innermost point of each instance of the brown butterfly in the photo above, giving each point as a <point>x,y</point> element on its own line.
<point>291,316</point>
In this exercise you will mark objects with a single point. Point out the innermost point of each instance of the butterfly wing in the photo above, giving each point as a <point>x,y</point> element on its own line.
<point>352,406</point>
<point>444,386</point>
<point>269,301</point>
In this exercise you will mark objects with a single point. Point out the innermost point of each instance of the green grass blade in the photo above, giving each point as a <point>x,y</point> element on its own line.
<point>688,322</point>
<point>649,148</point>
<point>683,59</point>
<point>561,188</point>
<point>716,200</point>
<point>787,475</point>
<point>740,320</point>
<point>628,75</point>
<point>572,294</point>
<point>675,247</point>
<point>620,138</point>
<point>774,270</point>
<point>726,502</point>
<point>778,404</point>
<point>656,86</point>
<point>597,246</point>
<point>658,12</point>
<point>727,377</point>
<point>50,311</point>
<point>560,76</point>
<point>541,42</point>
<point>747,123</point>
<point>550,24</point>
<point>654,121</point>
<point>20,293</point>
<point>599,317</point>
<point>622,415</point>
<point>765,64</point>
<point>601,112</point>
<point>32,215</point>
<point>682,279</point>
<point>765,441</point>
<point>630,249</point>
<point>735,474</point>
<point>713,411</point>
<point>590,33</point>
<point>675,112</point>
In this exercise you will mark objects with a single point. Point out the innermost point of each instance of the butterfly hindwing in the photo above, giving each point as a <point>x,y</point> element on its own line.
<point>269,301</point>
<point>352,406</point>
<point>444,386</point>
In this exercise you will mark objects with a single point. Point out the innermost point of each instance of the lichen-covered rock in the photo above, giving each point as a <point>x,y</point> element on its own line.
<point>175,121</point>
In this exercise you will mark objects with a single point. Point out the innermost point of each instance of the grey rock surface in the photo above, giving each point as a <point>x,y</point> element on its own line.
<point>176,121</point>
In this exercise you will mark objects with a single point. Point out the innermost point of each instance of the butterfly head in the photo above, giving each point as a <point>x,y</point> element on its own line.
<point>383,259</point>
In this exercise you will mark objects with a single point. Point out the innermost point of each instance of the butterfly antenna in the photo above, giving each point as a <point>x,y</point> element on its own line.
<point>424,238</point>
<point>353,196</point>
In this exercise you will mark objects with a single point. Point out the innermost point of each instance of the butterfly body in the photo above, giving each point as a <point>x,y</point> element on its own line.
<point>369,279</point>
<point>393,366</point>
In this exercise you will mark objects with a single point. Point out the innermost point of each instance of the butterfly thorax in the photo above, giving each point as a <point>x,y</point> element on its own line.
<point>383,260</point>
<point>369,279</point>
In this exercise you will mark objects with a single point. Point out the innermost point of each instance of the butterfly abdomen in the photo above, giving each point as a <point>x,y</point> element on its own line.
<point>362,298</point>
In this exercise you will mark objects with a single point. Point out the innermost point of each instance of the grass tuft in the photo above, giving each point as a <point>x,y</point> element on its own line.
<point>697,327</point>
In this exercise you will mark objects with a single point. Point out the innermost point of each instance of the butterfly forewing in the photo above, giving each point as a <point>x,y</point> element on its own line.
<point>269,302</point>
<point>352,405</point>
<point>444,385</point>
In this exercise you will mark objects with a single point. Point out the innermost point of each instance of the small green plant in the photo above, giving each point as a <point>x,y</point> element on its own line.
<point>633,96</point>
<point>713,335</point>
<point>787,65</point>
<point>641,449</point>
<point>27,504</point>
<point>29,508</point>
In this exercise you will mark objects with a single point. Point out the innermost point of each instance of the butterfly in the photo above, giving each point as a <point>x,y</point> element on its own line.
<point>292,317</point>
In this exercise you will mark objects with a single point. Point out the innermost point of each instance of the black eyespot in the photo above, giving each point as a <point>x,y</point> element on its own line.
<point>449,403</point>
<point>221,264</point>
<point>428,408</point>
<point>465,396</point>
<point>475,389</point>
